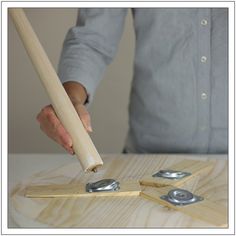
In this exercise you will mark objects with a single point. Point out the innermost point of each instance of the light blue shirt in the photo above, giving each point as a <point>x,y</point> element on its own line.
<point>179,95</point>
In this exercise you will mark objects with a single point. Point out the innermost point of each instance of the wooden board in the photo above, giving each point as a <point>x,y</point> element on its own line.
<point>129,188</point>
<point>109,212</point>
<point>194,167</point>
<point>213,213</point>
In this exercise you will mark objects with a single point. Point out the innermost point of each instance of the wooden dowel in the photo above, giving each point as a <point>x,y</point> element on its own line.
<point>82,144</point>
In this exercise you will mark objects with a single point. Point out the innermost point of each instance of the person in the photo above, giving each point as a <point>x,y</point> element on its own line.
<point>178,100</point>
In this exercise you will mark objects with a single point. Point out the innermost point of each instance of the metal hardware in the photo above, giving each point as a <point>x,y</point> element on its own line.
<point>180,197</point>
<point>103,185</point>
<point>171,174</point>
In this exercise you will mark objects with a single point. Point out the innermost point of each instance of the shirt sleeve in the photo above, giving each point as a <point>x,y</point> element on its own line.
<point>90,46</point>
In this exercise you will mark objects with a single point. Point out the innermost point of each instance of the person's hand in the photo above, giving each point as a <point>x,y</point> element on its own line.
<point>51,125</point>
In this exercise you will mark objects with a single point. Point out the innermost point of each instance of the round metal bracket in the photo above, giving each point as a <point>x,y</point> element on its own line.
<point>181,197</point>
<point>103,185</point>
<point>171,174</point>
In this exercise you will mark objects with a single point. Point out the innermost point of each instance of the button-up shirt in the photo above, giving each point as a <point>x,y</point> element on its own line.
<point>178,101</point>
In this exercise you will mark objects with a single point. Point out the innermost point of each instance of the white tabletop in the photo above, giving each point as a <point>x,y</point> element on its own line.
<point>21,166</point>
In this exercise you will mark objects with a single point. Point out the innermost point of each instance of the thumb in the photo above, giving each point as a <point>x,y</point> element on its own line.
<point>84,116</point>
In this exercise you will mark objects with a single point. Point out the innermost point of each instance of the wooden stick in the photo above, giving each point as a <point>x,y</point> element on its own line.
<point>205,210</point>
<point>82,144</point>
<point>196,168</point>
<point>129,188</point>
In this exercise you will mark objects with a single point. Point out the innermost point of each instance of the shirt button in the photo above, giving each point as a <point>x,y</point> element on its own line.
<point>204,22</point>
<point>203,59</point>
<point>203,96</point>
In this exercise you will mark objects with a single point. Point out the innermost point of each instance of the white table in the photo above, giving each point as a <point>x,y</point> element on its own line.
<point>21,166</point>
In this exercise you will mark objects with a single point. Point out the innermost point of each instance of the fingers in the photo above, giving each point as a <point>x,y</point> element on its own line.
<point>53,128</point>
<point>51,125</point>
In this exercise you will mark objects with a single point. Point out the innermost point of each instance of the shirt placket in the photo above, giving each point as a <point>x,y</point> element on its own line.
<point>203,81</point>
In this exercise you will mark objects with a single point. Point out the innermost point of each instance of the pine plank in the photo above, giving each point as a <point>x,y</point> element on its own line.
<point>130,188</point>
<point>205,210</point>
<point>194,167</point>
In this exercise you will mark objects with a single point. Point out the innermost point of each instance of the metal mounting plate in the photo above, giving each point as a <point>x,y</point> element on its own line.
<point>171,174</point>
<point>103,185</point>
<point>179,197</point>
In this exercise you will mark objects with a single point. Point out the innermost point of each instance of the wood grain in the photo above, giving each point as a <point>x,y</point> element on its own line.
<point>109,212</point>
<point>128,188</point>
<point>194,167</point>
<point>213,213</point>
<point>82,143</point>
